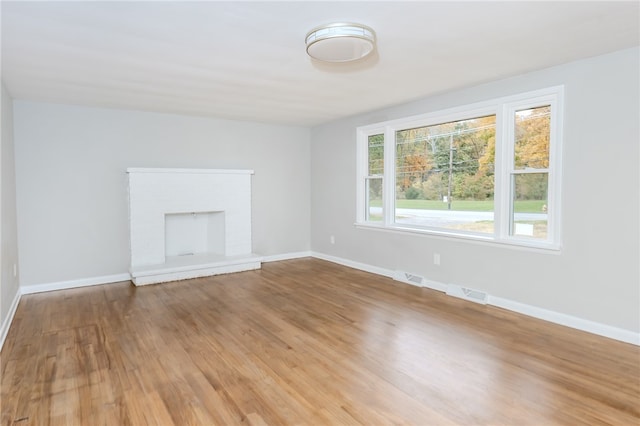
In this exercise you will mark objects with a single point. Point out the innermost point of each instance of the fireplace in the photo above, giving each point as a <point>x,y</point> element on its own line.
<point>188,223</point>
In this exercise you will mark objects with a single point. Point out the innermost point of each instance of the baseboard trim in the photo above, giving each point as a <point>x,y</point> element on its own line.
<point>286,256</point>
<point>567,320</point>
<point>108,279</point>
<point>82,282</point>
<point>6,324</point>
<point>356,265</point>
<point>592,327</point>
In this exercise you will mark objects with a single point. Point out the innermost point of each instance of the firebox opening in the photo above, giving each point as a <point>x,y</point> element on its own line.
<point>192,233</point>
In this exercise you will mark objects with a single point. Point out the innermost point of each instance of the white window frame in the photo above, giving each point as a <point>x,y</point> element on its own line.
<point>504,109</point>
<point>363,170</point>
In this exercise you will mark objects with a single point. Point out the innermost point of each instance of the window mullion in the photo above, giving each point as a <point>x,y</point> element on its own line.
<point>555,167</point>
<point>389,181</point>
<point>362,173</point>
<point>503,167</point>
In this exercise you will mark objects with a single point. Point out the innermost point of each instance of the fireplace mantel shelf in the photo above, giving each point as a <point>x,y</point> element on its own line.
<point>190,171</point>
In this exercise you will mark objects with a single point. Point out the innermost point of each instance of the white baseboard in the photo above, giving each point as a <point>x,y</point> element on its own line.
<point>82,282</point>
<point>286,256</point>
<point>567,320</point>
<point>592,327</point>
<point>435,285</point>
<point>356,265</point>
<point>4,330</point>
<point>108,279</point>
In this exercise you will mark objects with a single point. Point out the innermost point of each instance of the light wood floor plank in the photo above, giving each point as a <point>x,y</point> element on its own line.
<point>303,342</point>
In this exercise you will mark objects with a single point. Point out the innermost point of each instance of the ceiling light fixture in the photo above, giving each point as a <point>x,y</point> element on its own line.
<point>340,42</point>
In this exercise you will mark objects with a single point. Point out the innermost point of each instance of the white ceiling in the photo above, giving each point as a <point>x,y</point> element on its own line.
<point>247,60</point>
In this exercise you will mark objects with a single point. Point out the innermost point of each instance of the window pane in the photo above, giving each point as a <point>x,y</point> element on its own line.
<point>376,154</point>
<point>444,175</point>
<point>532,130</point>
<point>529,217</point>
<point>374,199</point>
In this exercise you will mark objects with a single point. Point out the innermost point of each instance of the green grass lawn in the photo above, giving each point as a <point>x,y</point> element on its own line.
<point>527,206</point>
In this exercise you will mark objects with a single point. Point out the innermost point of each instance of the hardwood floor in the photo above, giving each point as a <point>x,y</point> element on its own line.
<point>303,342</point>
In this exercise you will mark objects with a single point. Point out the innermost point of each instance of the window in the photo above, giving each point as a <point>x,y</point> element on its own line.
<point>529,172</point>
<point>373,181</point>
<point>444,175</point>
<point>487,171</point>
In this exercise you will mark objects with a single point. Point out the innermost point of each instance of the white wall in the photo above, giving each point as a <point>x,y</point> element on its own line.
<point>596,275</point>
<point>72,187</point>
<point>9,285</point>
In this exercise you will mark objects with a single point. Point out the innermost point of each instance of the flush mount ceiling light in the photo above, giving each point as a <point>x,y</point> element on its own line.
<point>340,42</point>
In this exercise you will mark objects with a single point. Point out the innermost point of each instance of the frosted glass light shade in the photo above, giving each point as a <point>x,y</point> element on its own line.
<point>341,42</point>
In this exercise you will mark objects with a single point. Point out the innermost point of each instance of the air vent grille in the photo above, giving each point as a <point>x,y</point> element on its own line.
<point>408,278</point>
<point>467,294</point>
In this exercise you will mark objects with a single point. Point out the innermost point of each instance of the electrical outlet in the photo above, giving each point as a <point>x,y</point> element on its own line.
<point>436,259</point>
<point>332,239</point>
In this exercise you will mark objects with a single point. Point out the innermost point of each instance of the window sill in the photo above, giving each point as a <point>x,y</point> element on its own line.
<point>535,246</point>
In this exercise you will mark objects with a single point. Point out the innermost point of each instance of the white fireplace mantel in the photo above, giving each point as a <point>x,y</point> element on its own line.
<point>211,212</point>
<point>189,171</point>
